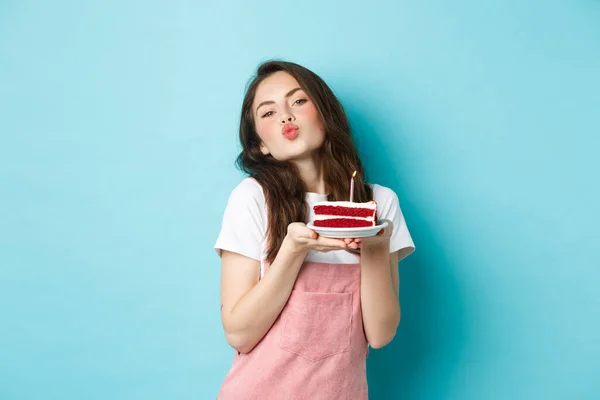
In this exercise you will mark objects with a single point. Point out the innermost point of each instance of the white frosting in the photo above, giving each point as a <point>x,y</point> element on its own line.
<point>326,217</point>
<point>350,204</point>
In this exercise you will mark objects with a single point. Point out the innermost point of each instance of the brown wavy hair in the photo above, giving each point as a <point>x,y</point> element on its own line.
<point>283,189</point>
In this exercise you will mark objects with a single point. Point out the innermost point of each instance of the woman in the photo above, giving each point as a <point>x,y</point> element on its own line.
<point>300,309</point>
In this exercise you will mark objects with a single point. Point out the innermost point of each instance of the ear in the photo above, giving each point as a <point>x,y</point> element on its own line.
<point>263,149</point>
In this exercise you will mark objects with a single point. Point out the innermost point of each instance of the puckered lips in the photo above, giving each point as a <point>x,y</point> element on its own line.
<point>290,131</point>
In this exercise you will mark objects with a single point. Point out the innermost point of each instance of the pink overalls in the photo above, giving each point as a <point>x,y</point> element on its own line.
<point>315,350</point>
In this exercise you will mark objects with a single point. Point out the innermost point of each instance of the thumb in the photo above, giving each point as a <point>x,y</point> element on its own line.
<point>387,231</point>
<point>311,234</point>
<point>303,231</point>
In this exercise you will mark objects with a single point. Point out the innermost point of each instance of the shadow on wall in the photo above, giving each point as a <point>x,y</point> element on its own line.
<point>432,332</point>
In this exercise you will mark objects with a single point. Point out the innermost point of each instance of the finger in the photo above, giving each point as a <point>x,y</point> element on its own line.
<point>389,228</point>
<point>308,233</point>
<point>328,249</point>
<point>323,249</point>
<point>308,240</point>
<point>318,247</point>
<point>329,242</point>
<point>326,243</point>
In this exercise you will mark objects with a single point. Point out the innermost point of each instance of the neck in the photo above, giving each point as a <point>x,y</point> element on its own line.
<point>311,175</point>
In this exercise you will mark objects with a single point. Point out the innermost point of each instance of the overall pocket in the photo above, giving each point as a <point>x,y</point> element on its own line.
<point>317,325</point>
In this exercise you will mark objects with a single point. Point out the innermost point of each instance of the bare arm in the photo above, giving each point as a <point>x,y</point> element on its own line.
<point>250,306</point>
<point>379,295</point>
<point>380,283</point>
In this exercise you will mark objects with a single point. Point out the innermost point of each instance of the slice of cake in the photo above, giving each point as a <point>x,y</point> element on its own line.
<point>345,214</point>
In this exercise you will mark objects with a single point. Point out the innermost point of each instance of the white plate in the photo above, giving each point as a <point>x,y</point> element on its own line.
<point>348,233</point>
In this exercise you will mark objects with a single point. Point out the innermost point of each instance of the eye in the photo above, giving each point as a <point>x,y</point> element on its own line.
<point>267,114</point>
<point>300,101</point>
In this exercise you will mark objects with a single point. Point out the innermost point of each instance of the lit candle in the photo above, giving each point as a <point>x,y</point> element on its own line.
<point>352,186</point>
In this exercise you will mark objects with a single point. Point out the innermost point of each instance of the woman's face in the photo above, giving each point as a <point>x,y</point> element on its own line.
<point>286,120</point>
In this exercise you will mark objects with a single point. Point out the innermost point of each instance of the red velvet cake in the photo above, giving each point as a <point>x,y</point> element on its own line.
<point>345,214</point>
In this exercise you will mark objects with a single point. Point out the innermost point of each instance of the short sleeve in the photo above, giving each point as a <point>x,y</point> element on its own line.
<point>388,207</point>
<point>243,228</point>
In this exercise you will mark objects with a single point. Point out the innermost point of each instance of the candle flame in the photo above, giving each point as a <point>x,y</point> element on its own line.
<point>354,174</point>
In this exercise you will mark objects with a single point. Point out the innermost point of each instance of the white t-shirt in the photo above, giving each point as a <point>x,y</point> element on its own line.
<point>244,225</point>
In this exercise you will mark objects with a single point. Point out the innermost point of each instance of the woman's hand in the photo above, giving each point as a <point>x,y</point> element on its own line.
<point>381,237</point>
<point>303,239</point>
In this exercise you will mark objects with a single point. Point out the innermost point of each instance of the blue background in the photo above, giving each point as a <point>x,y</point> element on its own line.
<point>118,124</point>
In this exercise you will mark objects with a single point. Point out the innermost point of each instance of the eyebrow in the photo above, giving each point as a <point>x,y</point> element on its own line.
<point>291,92</point>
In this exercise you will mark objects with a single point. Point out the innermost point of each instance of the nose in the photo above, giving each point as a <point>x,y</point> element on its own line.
<point>287,118</point>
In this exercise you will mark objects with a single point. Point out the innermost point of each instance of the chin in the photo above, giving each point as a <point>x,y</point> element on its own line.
<point>298,156</point>
<point>298,149</point>
<point>290,157</point>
